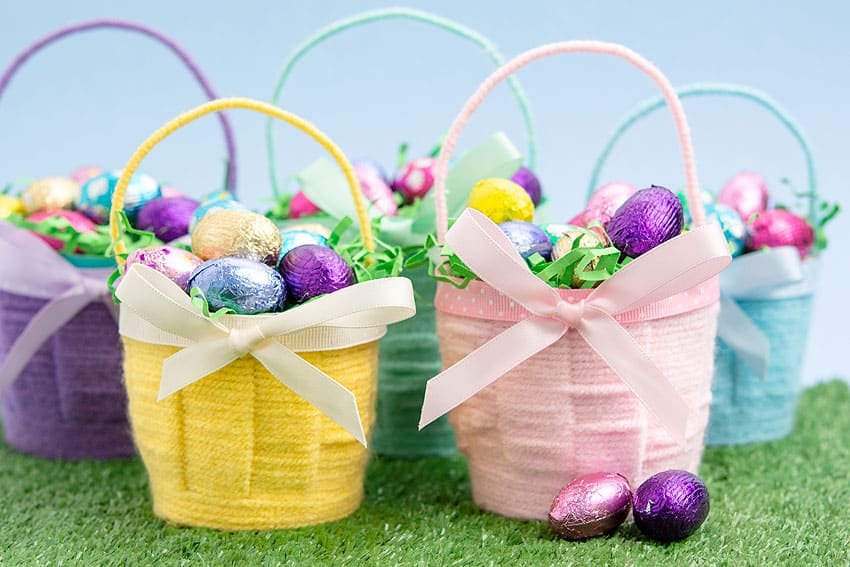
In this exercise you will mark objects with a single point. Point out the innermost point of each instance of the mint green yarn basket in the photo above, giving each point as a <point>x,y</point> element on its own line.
<point>409,353</point>
<point>747,408</point>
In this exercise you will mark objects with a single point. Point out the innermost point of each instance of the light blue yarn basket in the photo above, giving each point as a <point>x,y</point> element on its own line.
<point>746,408</point>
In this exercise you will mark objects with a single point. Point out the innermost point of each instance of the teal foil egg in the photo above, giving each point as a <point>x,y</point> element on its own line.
<point>732,225</point>
<point>214,205</point>
<point>245,286</point>
<point>96,195</point>
<point>293,238</point>
<point>707,201</point>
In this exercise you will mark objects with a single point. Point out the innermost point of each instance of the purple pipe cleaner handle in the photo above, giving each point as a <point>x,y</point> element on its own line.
<point>139,28</point>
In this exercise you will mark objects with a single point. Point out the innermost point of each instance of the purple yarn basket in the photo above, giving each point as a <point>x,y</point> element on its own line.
<point>69,401</point>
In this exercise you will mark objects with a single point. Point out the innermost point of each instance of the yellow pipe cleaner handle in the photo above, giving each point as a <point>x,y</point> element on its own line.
<point>118,245</point>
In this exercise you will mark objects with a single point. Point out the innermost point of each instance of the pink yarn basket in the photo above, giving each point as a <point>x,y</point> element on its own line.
<point>563,412</point>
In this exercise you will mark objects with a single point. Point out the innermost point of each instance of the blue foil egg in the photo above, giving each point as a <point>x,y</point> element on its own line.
<point>245,286</point>
<point>292,238</point>
<point>734,228</point>
<point>214,205</point>
<point>96,195</point>
<point>707,201</point>
<point>528,238</point>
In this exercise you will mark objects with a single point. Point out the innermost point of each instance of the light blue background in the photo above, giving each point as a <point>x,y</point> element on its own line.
<point>92,99</point>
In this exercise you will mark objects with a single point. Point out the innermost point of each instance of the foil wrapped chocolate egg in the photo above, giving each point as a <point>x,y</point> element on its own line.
<point>647,219</point>
<point>746,193</point>
<point>376,190</point>
<point>216,204</point>
<point>294,237</point>
<point>730,222</point>
<point>78,222</point>
<point>245,286</point>
<point>83,174</point>
<point>779,227</point>
<point>415,179</point>
<point>605,201</point>
<point>573,238</point>
<point>50,194</point>
<point>96,195</point>
<point>171,191</point>
<point>312,270</point>
<point>707,201</point>
<point>301,206</point>
<point>10,205</point>
<point>373,167</point>
<point>501,200</point>
<point>167,217</point>
<point>592,505</point>
<point>671,505</point>
<point>528,238</point>
<point>240,234</point>
<point>174,263</point>
<point>526,179</point>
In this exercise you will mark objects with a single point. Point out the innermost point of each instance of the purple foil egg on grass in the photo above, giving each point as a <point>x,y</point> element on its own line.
<point>528,238</point>
<point>526,179</point>
<point>647,219</point>
<point>671,505</point>
<point>245,286</point>
<point>167,217</point>
<point>174,263</point>
<point>312,270</point>
<point>591,505</point>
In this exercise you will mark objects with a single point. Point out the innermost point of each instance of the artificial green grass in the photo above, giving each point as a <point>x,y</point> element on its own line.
<point>780,503</point>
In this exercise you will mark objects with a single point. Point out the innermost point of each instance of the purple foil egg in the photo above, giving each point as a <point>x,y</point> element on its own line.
<point>671,505</point>
<point>591,505</point>
<point>312,270</point>
<point>526,179</point>
<point>647,219</point>
<point>167,217</point>
<point>605,201</point>
<point>778,227</point>
<point>245,286</point>
<point>528,238</point>
<point>746,193</point>
<point>174,263</point>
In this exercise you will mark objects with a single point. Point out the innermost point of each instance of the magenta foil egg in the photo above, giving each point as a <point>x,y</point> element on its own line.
<point>647,219</point>
<point>415,179</point>
<point>167,217</point>
<point>301,206</point>
<point>671,505</point>
<point>174,263</point>
<point>311,270</point>
<point>526,179</point>
<point>591,505</point>
<point>746,193</point>
<point>605,201</point>
<point>778,227</point>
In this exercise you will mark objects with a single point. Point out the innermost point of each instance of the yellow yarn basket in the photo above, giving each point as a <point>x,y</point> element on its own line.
<point>237,450</point>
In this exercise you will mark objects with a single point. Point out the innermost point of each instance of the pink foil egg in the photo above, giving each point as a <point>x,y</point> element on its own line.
<point>174,263</point>
<point>302,206</point>
<point>78,221</point>
<point>605,201</point>
<point>591,505</point>
<point>376,190</point>
<point>415,179</point>
<point>746,193</point>
<point>778,227</point>
<point>171,192</point>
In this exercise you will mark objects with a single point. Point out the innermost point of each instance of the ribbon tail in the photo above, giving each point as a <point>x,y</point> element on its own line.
<point>743,336</point>
<point>630,362</point>
<point>49,319</point>
<point>326,394</point>
<point>484,365</point>
<point>187,366</point>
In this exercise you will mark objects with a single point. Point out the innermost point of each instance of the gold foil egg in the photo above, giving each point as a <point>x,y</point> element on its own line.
<point>50,193</point>
<point>567,242</point>
<point>10,205</point>
<point>236,233</point>
<point>501,200</point>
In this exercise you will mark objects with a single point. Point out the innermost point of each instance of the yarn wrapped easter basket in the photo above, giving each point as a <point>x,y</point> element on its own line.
<point>409,353</point>
<point>253,421</point>
<point>547,384</point>
<point>60,378</point>
<point>766,305</point>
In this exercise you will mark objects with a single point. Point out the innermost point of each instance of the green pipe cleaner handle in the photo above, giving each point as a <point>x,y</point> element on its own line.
<point>647,107</point>
<point>392,14</point>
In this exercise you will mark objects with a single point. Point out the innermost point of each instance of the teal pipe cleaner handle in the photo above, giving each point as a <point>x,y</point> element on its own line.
<point>392,14</point>
<point>716,89</point>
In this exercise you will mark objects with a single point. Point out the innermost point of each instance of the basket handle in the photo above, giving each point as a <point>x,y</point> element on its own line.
<point>647,107</point>
<point>118,245</point>
<point>181,54</point>
<point>520,61</point>
<point>384,14</point>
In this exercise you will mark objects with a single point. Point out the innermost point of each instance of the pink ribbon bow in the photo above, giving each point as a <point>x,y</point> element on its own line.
<point>674,267</point>
<point>31,268</point>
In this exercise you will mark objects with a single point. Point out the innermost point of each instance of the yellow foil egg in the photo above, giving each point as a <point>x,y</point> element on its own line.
<point>501,200</point>
<point>567,242</point>
<point>10,205</point>
<point>50,193</point>
<point>236,233</point>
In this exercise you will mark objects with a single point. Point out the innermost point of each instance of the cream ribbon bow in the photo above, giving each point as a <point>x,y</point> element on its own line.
<point>154,308</point>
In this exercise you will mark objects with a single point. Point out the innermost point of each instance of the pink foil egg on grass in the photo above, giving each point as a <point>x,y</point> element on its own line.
<point>591,505</point>
<point>746,193</point>
<point>174,263</point>
<point>415,179</point>
<point>78,222</point>
<point>302,206</point>
<point>779,227</point>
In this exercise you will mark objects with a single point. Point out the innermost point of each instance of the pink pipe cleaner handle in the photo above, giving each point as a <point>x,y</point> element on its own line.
<point>520,61</point>
<point>73,29</point>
